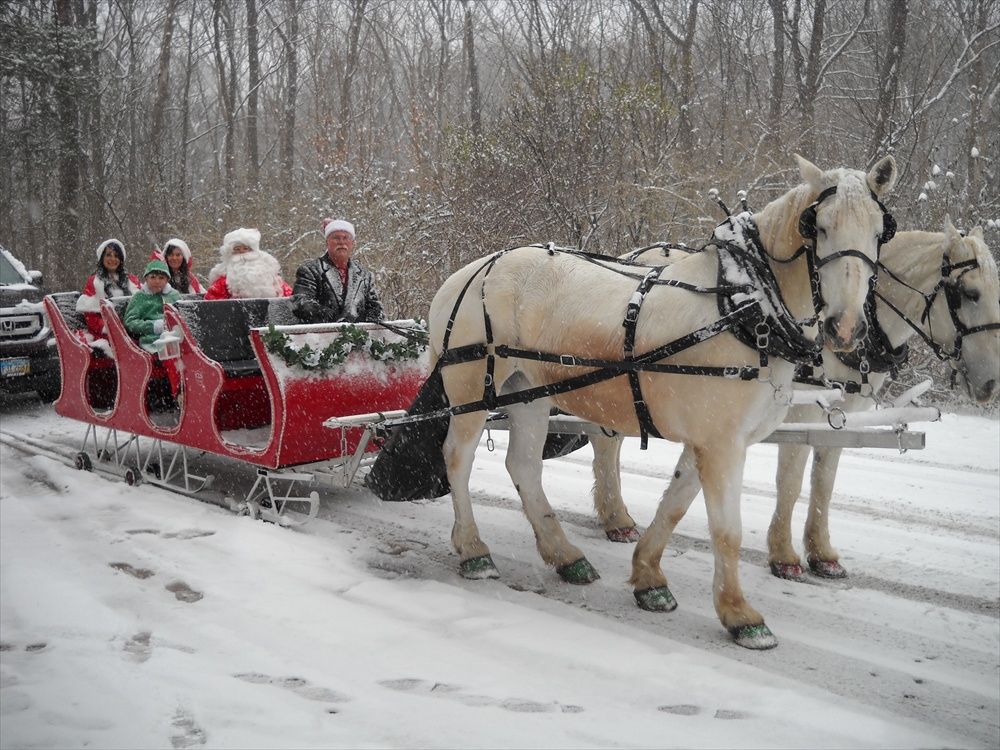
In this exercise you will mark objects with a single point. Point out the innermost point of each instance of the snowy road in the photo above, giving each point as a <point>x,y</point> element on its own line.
<point>361,615</point>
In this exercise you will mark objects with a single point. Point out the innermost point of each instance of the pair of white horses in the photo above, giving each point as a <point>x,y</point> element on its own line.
<point>913,298</point>
<point>531,300</point>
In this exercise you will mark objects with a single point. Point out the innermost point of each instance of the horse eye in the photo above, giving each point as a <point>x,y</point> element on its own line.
<point>971,294</point>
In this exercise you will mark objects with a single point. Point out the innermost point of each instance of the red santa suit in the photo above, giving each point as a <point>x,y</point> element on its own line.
<point>103,285</point>
<point>245,275</point>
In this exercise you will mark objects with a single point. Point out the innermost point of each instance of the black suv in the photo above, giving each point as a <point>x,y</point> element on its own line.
<point>28,357</point>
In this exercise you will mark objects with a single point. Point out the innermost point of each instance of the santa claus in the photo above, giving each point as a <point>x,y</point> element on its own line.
<point>245,270</point>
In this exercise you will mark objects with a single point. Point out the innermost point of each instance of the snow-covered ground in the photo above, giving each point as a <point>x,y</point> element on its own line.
<point>141,618</point>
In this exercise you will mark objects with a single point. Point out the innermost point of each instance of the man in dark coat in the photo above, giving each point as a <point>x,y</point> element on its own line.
<point>334,287</point>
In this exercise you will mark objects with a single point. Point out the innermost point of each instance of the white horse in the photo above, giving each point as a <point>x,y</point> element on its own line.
<point>952,278</point>
<point>970,294</point>
<point>533,300</point>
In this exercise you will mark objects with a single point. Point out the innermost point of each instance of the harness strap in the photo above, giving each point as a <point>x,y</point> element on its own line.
<point>646,426</point>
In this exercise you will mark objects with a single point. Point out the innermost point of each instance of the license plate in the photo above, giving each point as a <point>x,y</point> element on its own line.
<point>14,367</point>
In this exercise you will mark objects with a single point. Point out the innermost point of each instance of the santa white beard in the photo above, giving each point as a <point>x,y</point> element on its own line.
<point>253,274</point>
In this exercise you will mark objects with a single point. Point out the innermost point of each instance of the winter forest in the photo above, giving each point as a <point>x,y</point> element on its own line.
<point>447,129</point>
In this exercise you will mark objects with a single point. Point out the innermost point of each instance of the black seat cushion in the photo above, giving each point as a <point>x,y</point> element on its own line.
<point>222,328</point>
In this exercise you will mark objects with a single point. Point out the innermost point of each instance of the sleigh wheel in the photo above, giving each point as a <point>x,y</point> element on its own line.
<point>82,461</point>
<point>133,476</point>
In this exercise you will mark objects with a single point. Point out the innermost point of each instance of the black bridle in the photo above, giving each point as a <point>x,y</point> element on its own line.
<point>807,228</point>
<point>953,299</point>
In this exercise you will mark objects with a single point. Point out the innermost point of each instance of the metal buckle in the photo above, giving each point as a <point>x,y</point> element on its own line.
<point>488,380</point>
<point>567,360</point>
<point>632,314</point>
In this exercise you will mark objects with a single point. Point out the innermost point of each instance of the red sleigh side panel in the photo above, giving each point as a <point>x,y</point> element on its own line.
<point>80,368</point>
<point>303,400</point>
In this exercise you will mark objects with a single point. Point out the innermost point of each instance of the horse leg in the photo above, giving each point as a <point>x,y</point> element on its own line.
<point>611,511</point>
<point>822,557</point>
<point>721,472</point>
<point>649,584</point>
<point>784,560</point>
<point>459,452</point>
<point>528,428</point>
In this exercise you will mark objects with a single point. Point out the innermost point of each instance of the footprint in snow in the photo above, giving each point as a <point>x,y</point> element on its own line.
<point>297,685</point>
<point>187,534</point>
<point>138,647</point>
<point>683,709</point>
<point>183,592</point>
<point>686,709</point>
<point>189,734</point>
<point>125,567</point>
<point>182,534</point>
<point>455,693</point>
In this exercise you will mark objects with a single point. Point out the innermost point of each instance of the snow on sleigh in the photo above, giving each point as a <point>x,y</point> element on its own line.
<point>256,388</point>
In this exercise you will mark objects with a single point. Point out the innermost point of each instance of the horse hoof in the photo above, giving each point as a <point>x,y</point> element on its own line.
<point>788,571</point>
<point>626,534</point>
<point>657,599</point>
<point>478,568</point>
<point>756,637</point>
<point>579,572</point>
<point>827,569</point>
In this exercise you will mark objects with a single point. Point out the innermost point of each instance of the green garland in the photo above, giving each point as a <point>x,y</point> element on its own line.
<point>351,339</point>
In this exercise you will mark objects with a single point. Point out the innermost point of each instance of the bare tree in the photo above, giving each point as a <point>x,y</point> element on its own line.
<point>253,54</point>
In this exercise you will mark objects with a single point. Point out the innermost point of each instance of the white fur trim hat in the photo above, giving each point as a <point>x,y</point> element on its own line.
<point>180,245</point>
<point>101,248</point>
<point>241,236</point>
<point>338,225</point>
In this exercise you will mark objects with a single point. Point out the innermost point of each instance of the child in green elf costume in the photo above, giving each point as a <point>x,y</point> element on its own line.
<point>144,314</point>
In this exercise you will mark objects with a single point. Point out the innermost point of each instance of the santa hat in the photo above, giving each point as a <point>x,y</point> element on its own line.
<point>338,225</point>
<point>241,236</point>
<point>180,245</point>
<point>104,245</point>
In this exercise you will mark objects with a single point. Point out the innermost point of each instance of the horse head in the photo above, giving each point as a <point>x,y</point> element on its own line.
<point>971,286</point>
<point>846,224</point>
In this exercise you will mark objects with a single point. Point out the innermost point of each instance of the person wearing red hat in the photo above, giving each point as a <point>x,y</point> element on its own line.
<point>334,287</point>
<point>245,270</point>
<point>109,280</point>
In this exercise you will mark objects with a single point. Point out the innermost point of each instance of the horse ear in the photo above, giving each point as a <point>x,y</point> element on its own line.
<point>950,232</point>
<point>977,232</point>
<point>810,173</point>
<point>882,178</point>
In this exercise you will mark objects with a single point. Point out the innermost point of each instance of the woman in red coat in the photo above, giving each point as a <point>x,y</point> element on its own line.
<point>110,280</point>
<point>245,270</point>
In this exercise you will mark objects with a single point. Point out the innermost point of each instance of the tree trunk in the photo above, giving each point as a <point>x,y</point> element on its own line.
<point>888,79</point>
<point>773,133</point>
<point>182,180</point>
<point>68,213</point>
<point>350,69</point>
<point>162,88</point>
<point>253,53</point>
<point>685,123</point>
<point>469,41</point>
<point>291,93</point>
<point>222,26</point>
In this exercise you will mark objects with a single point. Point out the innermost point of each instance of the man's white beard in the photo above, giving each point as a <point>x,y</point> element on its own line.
<point>253,274</point>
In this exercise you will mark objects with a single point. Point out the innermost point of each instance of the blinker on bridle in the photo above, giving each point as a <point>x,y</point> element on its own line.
<point>807,228</point>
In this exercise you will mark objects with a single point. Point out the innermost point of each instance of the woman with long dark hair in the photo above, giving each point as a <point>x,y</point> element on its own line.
<point>109,280</point>
<point>177,255</point>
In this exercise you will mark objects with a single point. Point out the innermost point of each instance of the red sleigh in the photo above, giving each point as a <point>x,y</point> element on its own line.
<point>238,400</point>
